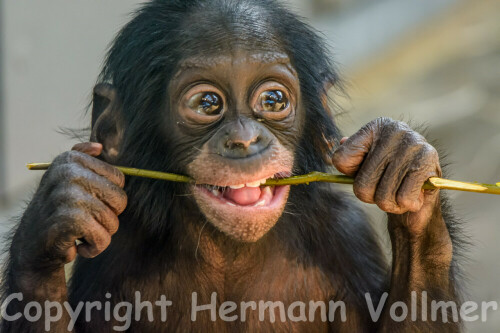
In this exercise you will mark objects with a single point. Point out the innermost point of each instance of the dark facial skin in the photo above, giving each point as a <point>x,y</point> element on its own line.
<point>245,132</point>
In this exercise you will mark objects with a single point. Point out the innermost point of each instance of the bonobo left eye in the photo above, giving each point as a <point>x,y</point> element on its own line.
<point>273,101</point>
<point>202,104</point>
<point>206,103</point>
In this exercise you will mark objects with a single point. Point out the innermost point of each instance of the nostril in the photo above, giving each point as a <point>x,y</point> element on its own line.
<point>241,144</point>
<point>235,145</point>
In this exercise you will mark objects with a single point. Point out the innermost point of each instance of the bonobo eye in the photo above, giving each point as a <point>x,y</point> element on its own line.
<point>206,103</point>
<point>273,101</point>
<point>202,104</point>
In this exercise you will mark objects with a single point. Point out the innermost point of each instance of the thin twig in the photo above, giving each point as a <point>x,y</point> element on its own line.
<point>432,183</point>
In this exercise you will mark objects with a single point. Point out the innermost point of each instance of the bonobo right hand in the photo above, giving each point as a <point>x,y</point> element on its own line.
<point>79,198</point>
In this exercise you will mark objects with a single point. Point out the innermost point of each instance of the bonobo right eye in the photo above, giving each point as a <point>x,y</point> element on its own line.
<point>208,103</point>
<point>203,103</point>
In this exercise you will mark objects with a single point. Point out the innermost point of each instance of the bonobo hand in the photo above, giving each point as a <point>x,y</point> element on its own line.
<point>390,163</point>
<point>79,198</point>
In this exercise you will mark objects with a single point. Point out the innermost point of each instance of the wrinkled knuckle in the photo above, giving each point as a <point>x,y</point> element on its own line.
<point>60,195</point>
<point>59,217</point>
<point>113,223</point>
<point>123,202</point>
<point>406,202</point>
<point>340,162</point>
<point>338,155</point>
<point>103,241</point>
<point>67,172</point>
<point>74,156</point>
<point>59,229</point>
<point>382,121</point>
<point>62,158</point>
<point>430,151</point>
<point>413,207</point>
<point>59,247</point>
<point>120,177</point>
<point>403,126</point>
<point>119,201</point>
<point>108,219</point>
<point>341,166</point>
<point>412,138</point>
<point>372,126</point>
<point>390,124</point>
<point>387,205</point>
<point>430,157</point>
<point>363,192</point>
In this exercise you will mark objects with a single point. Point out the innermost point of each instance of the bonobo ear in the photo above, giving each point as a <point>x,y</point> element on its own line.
<point>107,121</point>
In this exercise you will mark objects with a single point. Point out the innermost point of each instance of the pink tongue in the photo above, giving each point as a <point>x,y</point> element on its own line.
<point>243,196</point>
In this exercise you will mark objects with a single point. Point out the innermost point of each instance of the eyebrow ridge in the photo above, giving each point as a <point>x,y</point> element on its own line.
<point>205,63</point>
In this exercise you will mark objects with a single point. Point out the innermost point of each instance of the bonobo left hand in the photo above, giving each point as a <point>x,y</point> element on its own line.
<point>390,163</point>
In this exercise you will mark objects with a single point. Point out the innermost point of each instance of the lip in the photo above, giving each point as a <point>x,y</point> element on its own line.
<point>271,197</point>
<point>242,215</point>
<point>280,194</point>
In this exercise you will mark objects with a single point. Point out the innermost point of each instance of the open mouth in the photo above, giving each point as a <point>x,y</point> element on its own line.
<point>240,204</point>
<point>252,194</point>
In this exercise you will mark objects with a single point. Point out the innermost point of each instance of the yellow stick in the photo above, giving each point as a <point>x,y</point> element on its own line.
<point>129,172</point>
<point>432,183</point>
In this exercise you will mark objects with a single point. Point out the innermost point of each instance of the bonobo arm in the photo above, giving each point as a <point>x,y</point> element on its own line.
<point>390,163</point>
<point>79,198</point>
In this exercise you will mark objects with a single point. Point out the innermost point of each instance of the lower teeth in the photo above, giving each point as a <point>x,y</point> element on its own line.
<point>218,191</point>
<point>260,203</point>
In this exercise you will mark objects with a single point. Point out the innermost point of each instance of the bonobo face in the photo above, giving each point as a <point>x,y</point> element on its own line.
<point>240,112</point>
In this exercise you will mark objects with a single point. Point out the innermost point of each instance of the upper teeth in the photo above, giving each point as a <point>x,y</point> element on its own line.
<point>256,183</point>
<point>253,184</point>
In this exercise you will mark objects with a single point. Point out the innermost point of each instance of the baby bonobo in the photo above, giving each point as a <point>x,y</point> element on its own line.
<point>230,93</point>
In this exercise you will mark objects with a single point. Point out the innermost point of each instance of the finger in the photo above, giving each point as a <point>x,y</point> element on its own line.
<point>104,215</point>
<point>96,238</point>
<point>113,196</point>
<point>343,139</point>
<point>89,148</point>
<point>101,187</point>
<point>76,197</point>
<point>368,178</point>
<point>71,224</point>
<point>62,245</point>
<point>411,194</point>
<point>348,157</point>
<point>371,171</point>
<point>101,168</point>
<point>385,195</point>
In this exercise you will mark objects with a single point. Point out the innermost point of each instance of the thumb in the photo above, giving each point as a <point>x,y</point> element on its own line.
<point>348,157</point>
<point>90,148</point>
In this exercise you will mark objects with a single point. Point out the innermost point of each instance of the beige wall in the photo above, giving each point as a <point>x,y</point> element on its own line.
<point>53,50</point>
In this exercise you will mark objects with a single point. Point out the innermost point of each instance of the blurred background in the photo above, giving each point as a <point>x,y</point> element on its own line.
<point>436,62</point>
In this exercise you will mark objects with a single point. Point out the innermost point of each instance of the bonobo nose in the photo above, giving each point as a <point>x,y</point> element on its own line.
<point>242,143</point>
<point>241,138</point>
